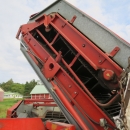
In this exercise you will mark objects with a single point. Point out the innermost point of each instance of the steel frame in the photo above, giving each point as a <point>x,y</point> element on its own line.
<point>103,37</point>
<point>11,112</point>
<point>40,102</point>
<point>84,47</point>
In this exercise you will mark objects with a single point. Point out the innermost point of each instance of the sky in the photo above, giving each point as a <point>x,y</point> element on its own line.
<point>114,14</point>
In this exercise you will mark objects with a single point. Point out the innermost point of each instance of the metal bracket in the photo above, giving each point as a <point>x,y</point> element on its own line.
<point>73,19</point>
<point>45,19</point>
<point>74,94</point>
<point>101,59</point>
<point>114,52</point>
<point>50,68</point>
<point>59,56</point>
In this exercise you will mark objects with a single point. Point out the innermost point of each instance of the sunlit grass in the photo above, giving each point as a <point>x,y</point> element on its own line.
<point>6,104</point>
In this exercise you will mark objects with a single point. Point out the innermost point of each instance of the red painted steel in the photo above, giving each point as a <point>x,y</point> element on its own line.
<point>43,55</point>
<point>41,102</point>
<point>47,104</point>
<point>51,69</point>
<point>36,48</point>
<point>73,19</point>
<point>59,126</point>
<point>68,105</point>
<point>22,124</point>
<point>29,101</point>
<point>82,101</point>
<point>93,108</point>
<point>11,111</point>
<point>85,47</point>
<point>114,52</point>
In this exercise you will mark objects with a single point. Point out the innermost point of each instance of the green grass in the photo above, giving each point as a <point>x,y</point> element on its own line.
<point>5,104</point>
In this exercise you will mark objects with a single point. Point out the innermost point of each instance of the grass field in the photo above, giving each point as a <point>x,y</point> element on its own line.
<point>5,104</point>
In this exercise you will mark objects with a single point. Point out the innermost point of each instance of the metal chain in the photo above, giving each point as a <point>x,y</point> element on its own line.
<point>123,112</point>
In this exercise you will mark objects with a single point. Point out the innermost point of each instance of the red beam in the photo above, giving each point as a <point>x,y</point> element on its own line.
<point>69,107</point>
<point>28,101</point>
<point>22,124</point>
<point>47,104</point>
<point>84,46</point>
<point>87,49</point>
<point>11,111</point>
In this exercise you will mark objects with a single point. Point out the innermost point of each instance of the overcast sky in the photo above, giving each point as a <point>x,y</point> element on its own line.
<point>115,14</point>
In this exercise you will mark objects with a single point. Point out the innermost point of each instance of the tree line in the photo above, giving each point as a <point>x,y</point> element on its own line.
<point>23,89</point>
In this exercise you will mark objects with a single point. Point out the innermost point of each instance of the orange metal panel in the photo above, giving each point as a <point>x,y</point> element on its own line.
<point>21,124</point>
<point>59,126</point>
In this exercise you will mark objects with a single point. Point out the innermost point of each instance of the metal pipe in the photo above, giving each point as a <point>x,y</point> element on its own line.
<point>87,91</point>
<point>69,107</point>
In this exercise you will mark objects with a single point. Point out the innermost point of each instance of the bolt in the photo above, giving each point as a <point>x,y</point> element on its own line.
<point>108,74</point>
<point>69,86</point>
<point>103,69</point>
<point>45,59</point>
<point>83,45</point>
<point>100,61</point>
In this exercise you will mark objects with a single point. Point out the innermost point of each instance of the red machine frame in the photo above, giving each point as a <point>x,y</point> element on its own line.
<point>23,124</point>
<point>60,80</point>
<point>11,112</point>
